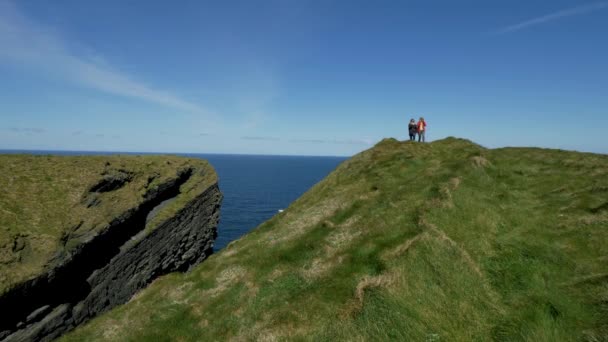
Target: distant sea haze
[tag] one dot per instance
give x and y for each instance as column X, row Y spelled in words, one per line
column 255, row 187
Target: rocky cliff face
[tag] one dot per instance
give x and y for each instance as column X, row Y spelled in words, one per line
column 109, row 265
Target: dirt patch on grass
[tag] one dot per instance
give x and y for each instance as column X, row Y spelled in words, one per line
column 112, row 330
column 115, row 329
column 404, row 247
column 589, row 279
column 454, row 183
column 593, row 219
column 230, row 249
column 297, row 226
column 342, row 237
column 337, row 241
column 176, row 294
column 225, row 279
column 276, row 273
column 480, row 162
column 267, row 329
column 442, row 236
column 321, row 267
column 434, row 166
column 369, row 282
column 446, row 197
column 318, row 267
column 366, row 283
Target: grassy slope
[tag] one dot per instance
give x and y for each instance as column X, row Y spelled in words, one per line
column 440, row 241
column 44, row 200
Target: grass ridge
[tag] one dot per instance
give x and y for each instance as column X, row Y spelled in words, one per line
column 404, row 241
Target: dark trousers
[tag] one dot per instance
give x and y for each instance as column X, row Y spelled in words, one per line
column 412, row 136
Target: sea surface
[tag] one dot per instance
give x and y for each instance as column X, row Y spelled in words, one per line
column 255, row 187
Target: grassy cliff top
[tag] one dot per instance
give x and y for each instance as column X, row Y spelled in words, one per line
column 50, row 204
column 445, row 241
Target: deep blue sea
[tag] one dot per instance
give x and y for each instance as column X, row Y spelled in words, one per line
column 255, row 187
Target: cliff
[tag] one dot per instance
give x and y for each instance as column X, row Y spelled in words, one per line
column 80, row 235
column 405, row 241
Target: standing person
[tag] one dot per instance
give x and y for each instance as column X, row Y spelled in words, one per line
column 413, row 129
column 421, row 129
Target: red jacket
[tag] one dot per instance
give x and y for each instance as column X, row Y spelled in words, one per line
column 421, row 125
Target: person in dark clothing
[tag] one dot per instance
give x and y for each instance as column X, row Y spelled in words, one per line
column 413, row 129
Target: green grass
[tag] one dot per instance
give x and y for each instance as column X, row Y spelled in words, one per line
column 445, row 241
column 44, row 209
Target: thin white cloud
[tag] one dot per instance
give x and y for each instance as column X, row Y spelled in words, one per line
column 555, row 16
column 309, row 141
column 27, row 130
column 334, row 141
column 28, row 43
column 352, row 142
column 260, row 138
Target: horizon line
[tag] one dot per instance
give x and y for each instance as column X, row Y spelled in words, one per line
column 50, row 152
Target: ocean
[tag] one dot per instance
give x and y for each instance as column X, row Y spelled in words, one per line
column 255, row 187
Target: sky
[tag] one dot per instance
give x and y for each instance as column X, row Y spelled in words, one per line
column 300, row 77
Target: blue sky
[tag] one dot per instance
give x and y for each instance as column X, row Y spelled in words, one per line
column 300, row 77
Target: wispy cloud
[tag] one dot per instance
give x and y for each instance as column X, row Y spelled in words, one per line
column 27, row 130
column 81, row 133
column 554, row 16
column 310, row 141
column 260, row 138
column 27, row 42
column 334, row 141
column 352, row 142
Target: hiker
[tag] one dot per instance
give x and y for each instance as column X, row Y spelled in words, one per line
column 421, row 129
column 413, row 129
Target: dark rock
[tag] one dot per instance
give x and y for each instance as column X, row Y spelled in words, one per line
column 112, row 181
column 154, row 192
column 34, row 316
column 19, row 243
column 178, row 244
column 158, row 208
column 151, row 178
column 92, row 201
column 45, row 330
column 113, row 265
column 67, row 234
column 599, row 208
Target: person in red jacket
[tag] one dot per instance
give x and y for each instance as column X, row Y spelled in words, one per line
column 421, row 129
